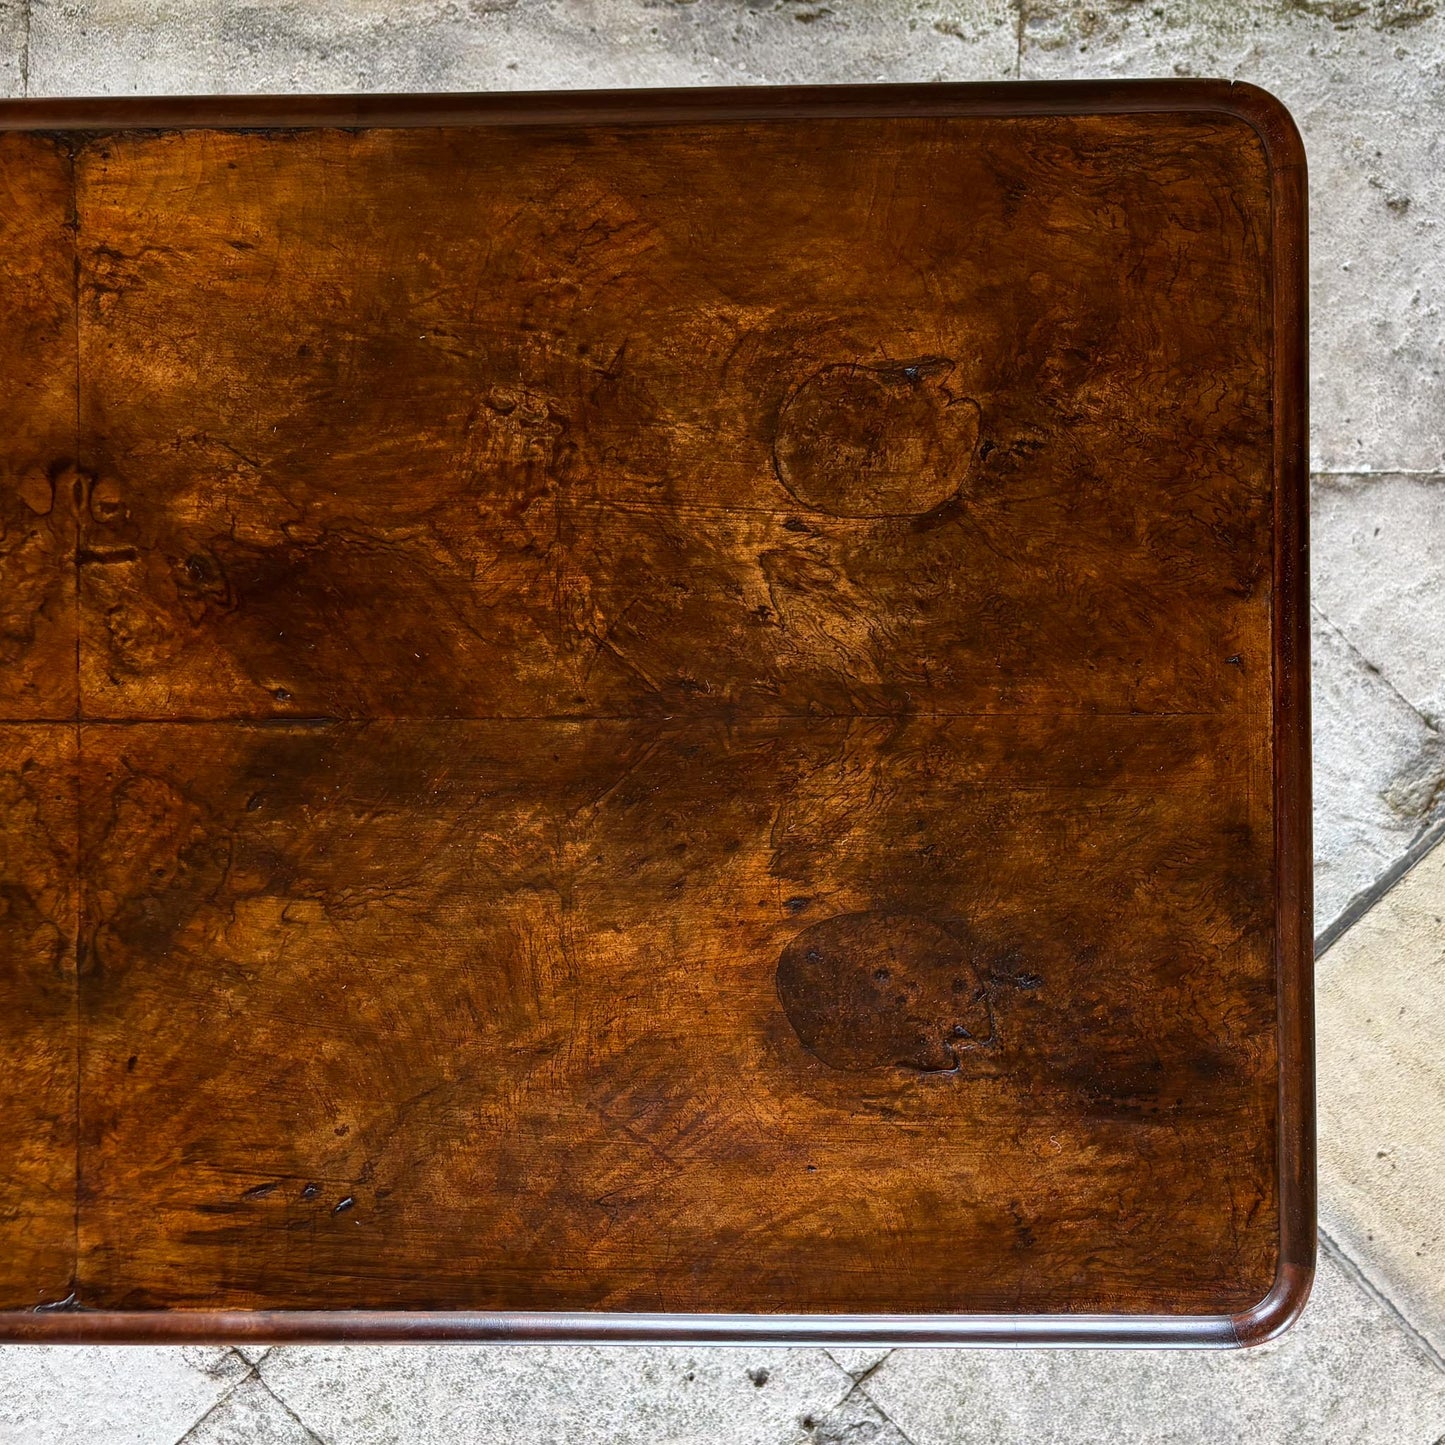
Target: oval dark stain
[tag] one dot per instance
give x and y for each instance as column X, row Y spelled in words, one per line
column 876, row 441
column 868, row 990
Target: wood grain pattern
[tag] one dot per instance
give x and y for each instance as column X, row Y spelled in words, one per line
column 37, row 763
column 641, row 752
column 511, row 989
column 38, row 843
column 37, row 419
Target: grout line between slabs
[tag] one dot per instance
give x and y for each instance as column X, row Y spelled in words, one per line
column 902, row 1433
column 1365, row 900
column 858, row 1380
column 1021, row 7
column 264, row 1384
column 1373, row 668
column 856, row 1388
column 1330, row 1246
column 1425, row 841
column 218, row 1401
column 253, row 1373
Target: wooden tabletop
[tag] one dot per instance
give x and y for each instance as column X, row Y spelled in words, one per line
column 678, row 715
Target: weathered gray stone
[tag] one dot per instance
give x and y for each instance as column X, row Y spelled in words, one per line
column 856, row 1421
column 120, row 47
column 1379, row 575
column 1346, row 1374
column 1378, row 588
column 107, row 1396
column 1381, row 1051
column 524, row 1394
column 1365, row 80
column 250, row 1415
column 1374, row 763
column 14, row 52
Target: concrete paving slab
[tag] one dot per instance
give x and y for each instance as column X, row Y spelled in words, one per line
column 58, row 1395
column 525, row 1394
column 1379, row 575
column 1375, row 762
column 1345, row 1374
column 250, row 1415
column 375, row 45
column 14, row 47
column 1365, row 80
column 1381, row 1051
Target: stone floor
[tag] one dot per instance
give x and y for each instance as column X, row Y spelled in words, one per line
column 1366, row 80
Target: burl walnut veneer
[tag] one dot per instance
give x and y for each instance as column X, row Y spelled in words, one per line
column 658, row 716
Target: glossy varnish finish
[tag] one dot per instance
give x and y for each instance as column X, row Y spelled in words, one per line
column 683, row 707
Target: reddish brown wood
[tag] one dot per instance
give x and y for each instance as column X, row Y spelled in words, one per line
column 37, row 420
column 37, row 761
column 699, row 717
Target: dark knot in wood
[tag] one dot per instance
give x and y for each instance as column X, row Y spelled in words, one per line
column 876, row 441
column 869, row 990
